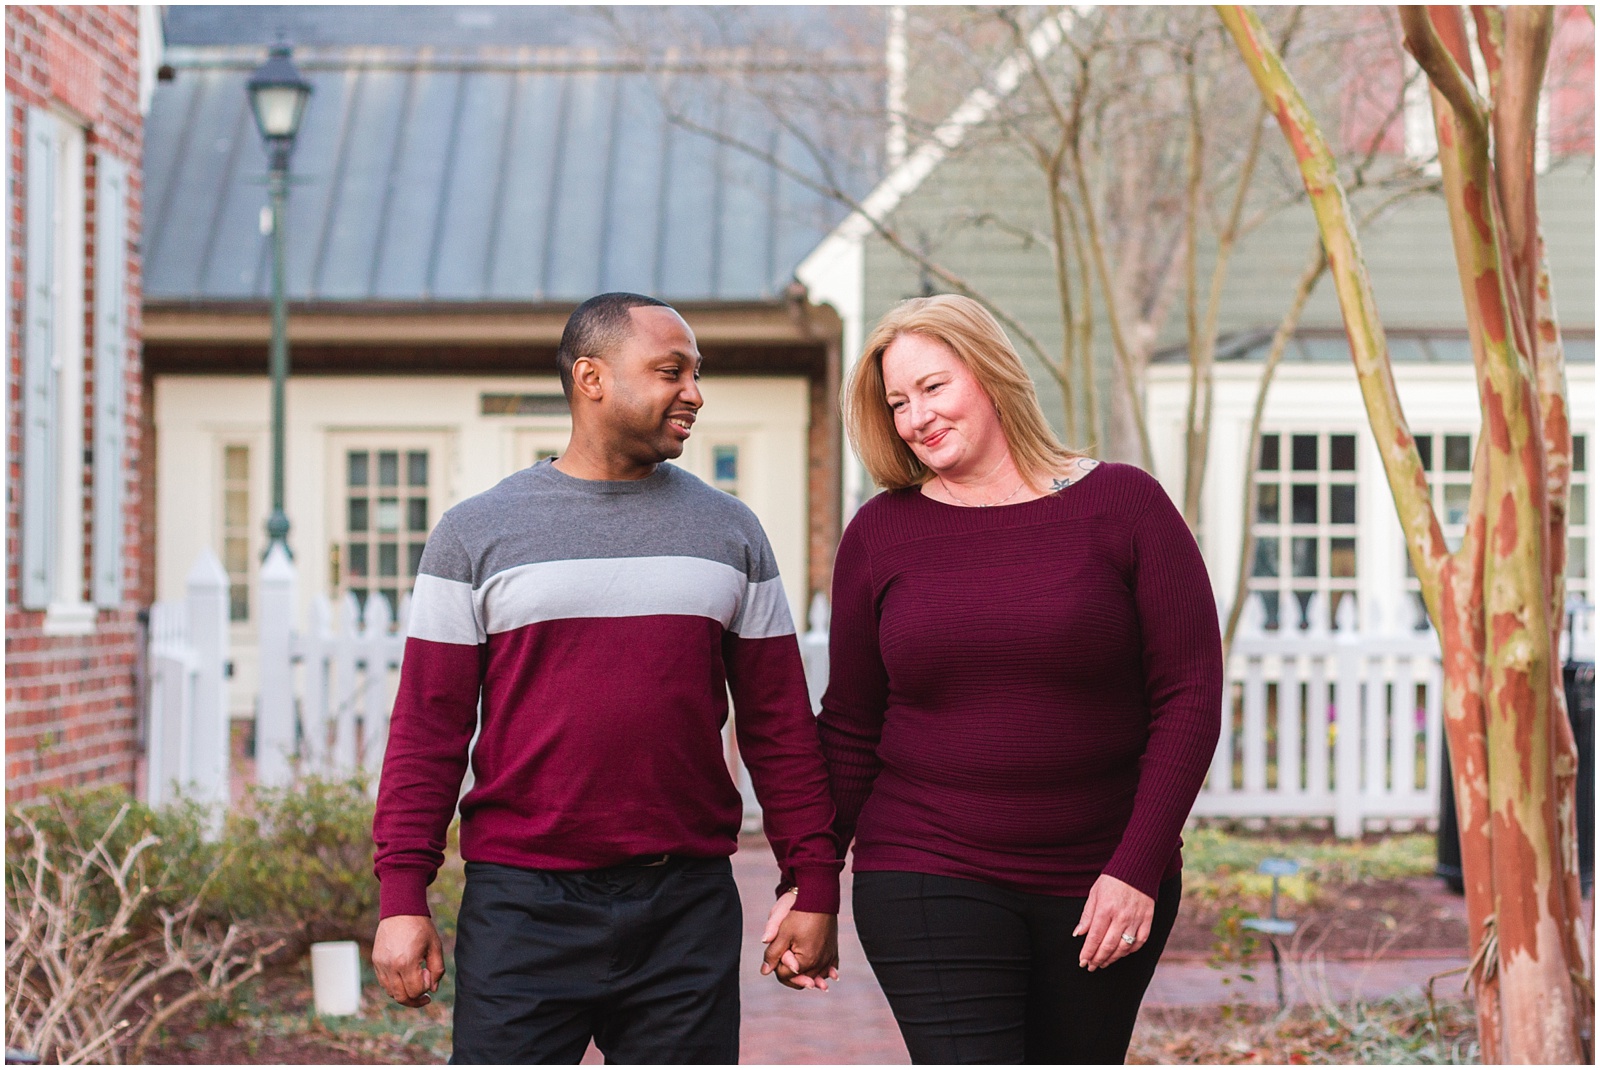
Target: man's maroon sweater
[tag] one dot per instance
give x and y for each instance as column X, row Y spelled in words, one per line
column 1028, row 695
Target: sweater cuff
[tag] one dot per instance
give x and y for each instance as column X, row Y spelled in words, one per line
column 1144, row 874
column 819, row 889
column 404, row 891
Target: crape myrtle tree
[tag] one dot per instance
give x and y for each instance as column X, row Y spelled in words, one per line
column 1497, row 600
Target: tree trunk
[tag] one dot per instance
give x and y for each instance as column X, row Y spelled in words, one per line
column 1491, row 600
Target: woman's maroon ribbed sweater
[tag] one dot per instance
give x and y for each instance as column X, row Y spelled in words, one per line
column 1028, row 695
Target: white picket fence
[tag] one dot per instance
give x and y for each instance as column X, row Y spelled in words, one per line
column 326, row 689
column 186, row 742
column 1318, row 724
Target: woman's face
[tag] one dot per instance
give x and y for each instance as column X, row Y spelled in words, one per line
column 939, row 409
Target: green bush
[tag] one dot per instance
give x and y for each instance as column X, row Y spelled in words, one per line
column 294, row 862
column 298, row 860
column 173, row 869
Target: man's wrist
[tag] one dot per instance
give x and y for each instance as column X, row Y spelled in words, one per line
column 404, row 891
column 816, row 890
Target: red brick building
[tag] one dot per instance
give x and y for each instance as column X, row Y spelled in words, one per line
column 76, row 571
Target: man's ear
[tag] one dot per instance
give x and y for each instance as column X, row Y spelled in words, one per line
column 588, row 378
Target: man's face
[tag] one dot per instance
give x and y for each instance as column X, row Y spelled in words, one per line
column 655, row 392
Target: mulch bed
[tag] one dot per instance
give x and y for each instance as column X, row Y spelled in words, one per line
column 1415, row 916
column 1385, row 1034
column 274, row 1024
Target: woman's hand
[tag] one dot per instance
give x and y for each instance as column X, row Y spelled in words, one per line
column 781, row 957
column 1112, row 909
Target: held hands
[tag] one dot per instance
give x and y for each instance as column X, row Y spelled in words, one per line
column 802, row 947
column 1112, row 909
column 408, row 958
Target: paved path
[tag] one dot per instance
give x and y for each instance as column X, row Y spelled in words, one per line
column 1192, row 984
column 851, row 1022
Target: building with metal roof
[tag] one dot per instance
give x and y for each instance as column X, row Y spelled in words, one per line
column 463, row 177
column 451, row 169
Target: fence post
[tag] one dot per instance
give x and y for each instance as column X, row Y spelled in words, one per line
column 275, row 719
column 1348, row 657
column 207, row 610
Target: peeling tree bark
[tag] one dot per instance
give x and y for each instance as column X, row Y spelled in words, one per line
column 1494, row 601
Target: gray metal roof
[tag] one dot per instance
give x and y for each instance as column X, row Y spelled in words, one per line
column 529, row 173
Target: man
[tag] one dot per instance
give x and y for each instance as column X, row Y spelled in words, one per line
column 601, row 606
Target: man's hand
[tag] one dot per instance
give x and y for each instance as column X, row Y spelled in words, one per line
column 802, row 947
column 1113, row 908
column 408, row 958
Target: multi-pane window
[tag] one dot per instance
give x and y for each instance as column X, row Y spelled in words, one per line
column 236, row 529
column 388, row 513
column 1578, row 522
column 1305, row 525
column 1447, row 459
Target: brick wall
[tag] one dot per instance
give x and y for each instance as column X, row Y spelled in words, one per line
column 1369, row 100
column 71, row 701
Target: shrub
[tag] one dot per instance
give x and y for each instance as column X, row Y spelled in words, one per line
column 117, row 913
column 299, row 861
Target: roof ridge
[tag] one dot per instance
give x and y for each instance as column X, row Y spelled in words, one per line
column 523, row 57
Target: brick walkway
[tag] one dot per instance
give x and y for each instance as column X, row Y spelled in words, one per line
column 851, row 1022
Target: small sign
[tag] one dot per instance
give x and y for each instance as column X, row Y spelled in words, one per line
column 523, row 404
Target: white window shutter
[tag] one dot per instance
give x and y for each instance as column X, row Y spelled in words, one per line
column 110, row 343
column 39, row 468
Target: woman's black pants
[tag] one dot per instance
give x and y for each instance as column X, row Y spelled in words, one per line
column 981, row 974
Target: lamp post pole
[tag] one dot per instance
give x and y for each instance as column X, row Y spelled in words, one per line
column 278, row 186
column 278, row 96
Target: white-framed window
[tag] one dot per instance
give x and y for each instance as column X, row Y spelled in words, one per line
column 1305, row 527
column 1421, row 135
column 53, row 566
column 1579, row 581
column 238, row 522
column 725, row 467
column 389, row 501
column 1447, row 460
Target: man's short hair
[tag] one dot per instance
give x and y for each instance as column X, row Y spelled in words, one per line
column 596, row 328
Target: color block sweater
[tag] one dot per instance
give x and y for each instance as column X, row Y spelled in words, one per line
column 1028, row 695
column 603, row 624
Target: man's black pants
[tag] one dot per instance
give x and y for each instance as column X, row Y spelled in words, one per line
column 644, row 959
column 980, row 974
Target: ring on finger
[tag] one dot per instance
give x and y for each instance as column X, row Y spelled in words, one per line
column 1128, row 938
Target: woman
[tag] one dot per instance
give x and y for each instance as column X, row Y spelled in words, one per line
column 1024, row 697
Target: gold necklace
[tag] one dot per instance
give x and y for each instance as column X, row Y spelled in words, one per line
column 980, row 505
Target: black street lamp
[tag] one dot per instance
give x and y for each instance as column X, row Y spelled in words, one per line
column 278, row 95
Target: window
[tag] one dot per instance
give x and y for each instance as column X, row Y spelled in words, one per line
column 1305, row 525
column 1578, row 580
column 236, row 529
column 725, row 468
column 1421, row 135
column 388, row 510
column 1447, row 460
column 53, row 377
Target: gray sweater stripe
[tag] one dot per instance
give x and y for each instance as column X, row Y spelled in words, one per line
column 542, row 546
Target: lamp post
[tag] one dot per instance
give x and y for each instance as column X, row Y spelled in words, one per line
column 278, row 95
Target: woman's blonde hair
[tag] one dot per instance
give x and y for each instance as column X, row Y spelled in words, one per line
column 979, row 343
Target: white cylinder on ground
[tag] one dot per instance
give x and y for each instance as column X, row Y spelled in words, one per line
column 336, row 977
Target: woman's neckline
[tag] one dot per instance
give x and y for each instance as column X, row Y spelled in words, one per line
column 1047, row 496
